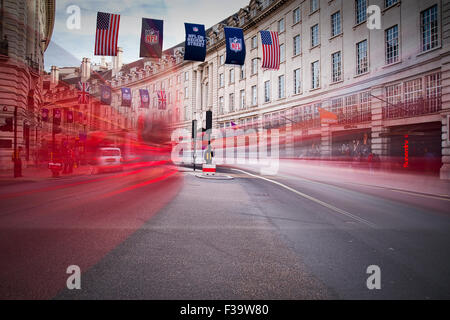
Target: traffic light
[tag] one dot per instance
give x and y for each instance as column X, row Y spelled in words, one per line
column 208, row 120
column 8, row 126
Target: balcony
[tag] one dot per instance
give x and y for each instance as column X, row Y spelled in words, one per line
column 354, row 117
column 412, row 109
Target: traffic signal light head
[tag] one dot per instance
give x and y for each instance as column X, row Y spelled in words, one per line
column 208, row 120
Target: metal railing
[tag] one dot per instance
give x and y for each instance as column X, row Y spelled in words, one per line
column 412, row 109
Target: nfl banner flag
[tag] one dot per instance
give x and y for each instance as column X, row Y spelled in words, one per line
column 195, row 43
column 69, row 116
column 271, row 50
column 162, row 101
column 234, row 38
column 106, row 34
column 44, row 115
column 151, row 38
column 145, row 99
column 105, row 94
column 126, row 97
column 57, row 116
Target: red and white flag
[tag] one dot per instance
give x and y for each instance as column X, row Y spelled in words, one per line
column 83, row 93
column 107, row 34
column 271, row 50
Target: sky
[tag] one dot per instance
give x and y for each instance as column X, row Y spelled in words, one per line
column 68, row 47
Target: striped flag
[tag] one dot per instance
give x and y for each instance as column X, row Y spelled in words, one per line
column 107, row 34
column 271, row 50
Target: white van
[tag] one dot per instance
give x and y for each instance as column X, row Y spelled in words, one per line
column 108, row 159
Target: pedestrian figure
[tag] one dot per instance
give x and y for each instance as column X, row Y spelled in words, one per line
column 17, row 160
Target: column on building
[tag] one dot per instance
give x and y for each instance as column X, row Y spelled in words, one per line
column 379, row 139
column 445, row 76
column 325, row 135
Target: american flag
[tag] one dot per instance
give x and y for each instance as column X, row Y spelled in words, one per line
column 83, row 93
column 271, row 50
column 162, row 101
column 107, row 34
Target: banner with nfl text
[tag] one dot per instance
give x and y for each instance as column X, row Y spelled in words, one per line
column 195, row 42
column 126, row 97
column 145, row 99
column 151, row 38
column 235, row 46
column 105, row 97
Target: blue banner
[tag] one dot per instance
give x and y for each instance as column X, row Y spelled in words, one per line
column 145, row 99
column 105, row 94
column 195, row 42
column 234, row 39
column 126, row 97
column 151, row 38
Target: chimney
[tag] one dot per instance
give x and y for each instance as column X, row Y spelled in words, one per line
column 85, row 69
column 103, row 62
column 54, row 75
column 117, row 61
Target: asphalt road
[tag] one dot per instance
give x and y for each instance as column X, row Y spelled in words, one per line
column 150, row 233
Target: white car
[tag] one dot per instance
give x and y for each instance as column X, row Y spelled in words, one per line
column 108, row 159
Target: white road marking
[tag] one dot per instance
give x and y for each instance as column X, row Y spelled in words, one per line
column 329, row 206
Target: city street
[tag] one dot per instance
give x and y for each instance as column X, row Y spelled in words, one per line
column 151, row 232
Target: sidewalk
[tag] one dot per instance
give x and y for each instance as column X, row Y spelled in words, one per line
column 33, row 174
column 425, row 184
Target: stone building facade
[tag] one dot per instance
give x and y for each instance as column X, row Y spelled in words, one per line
column 25, row 31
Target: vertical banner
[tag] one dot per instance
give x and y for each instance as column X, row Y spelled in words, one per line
column 271, row 50
column 57, row 116
column 106, row 34
column 105, row 94
column 145, row 99
column 69, row 116
column 44, row 116
column 126, row 97
column 235, row 44
column 195, row 43
column 151, row 38
column 162, row 100
column 83, row 92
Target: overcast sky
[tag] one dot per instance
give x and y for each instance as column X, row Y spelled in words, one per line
column 68, row 47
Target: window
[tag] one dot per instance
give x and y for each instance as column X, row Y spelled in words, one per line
column 391, row 38
column 429, row 28
column 314, row 35
column 336, row 24
column 433, row 92
column 254, row 96
column 296, row 15
column 314, row 5
column 281, row 87
column 186, row 92
column 254, row 42
column 361, row 57
column 254, row 66
column 222, row 60
column 231, row 102
column 221, row 81
column 221, row 105
column 242, row 72
column 412, row 91
column 231, row 76
column 315, row 75
column 394, row 94
column 267, row 91
column 297, row 83
column 281, row 26
column 336, row 65
column 388, row 3
column 178, row 79
column 360, row 11
column 296, row 45
column 282, row 53
column 242, row 99
column 186, row 76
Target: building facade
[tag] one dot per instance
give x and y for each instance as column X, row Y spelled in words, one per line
column 25, row 31
column 385, row 84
